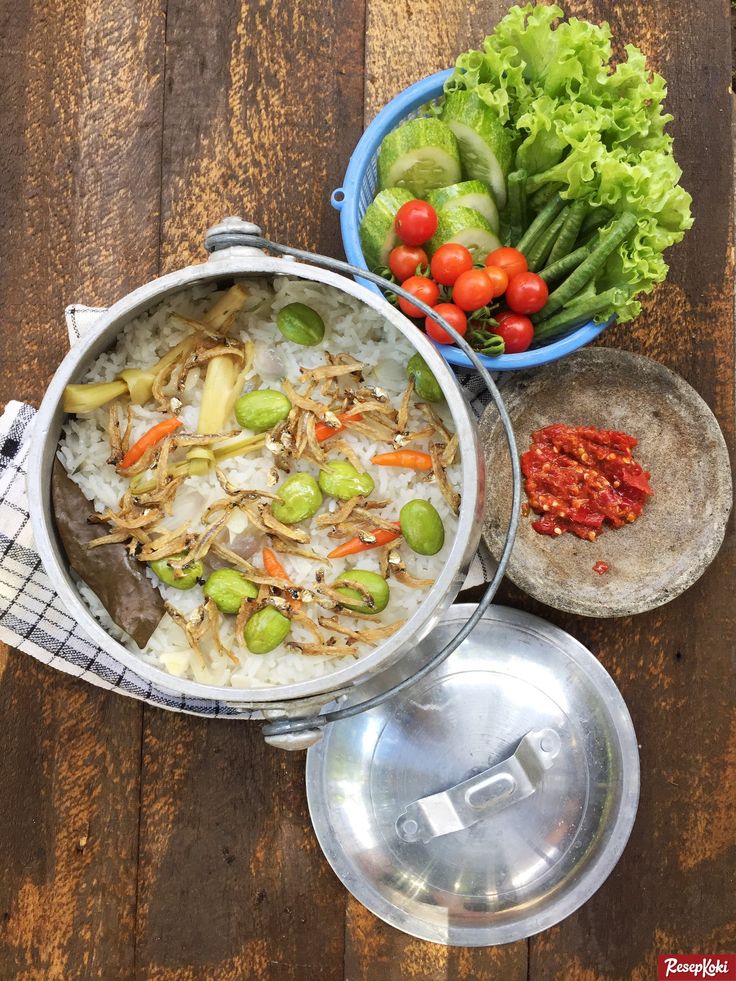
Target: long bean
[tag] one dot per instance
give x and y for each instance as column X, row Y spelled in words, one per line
column 545, row 217
column 578, row 313
column 537, row 254
column 555, row 270
column 569, row 231
column 517, row 207
column 544, row 195
column 595, row 218
column 590, row 266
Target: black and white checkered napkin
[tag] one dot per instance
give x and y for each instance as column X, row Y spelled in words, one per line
column 32, row 616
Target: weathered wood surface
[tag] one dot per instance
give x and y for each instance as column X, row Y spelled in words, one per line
column 80, row 136
column 142, row 844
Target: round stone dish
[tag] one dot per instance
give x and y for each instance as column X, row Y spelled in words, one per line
column 682, row 527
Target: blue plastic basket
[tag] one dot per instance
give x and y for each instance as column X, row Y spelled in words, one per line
column 359, row 189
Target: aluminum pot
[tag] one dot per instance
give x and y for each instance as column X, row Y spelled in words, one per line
column 394, row 660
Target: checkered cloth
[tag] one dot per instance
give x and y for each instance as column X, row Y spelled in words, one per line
column 32, row 616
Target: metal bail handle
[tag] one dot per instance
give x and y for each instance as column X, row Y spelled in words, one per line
column 466, row 803
column 236, row 232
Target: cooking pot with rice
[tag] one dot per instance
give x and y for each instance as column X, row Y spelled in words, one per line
column 257, row 483
column 140, row 506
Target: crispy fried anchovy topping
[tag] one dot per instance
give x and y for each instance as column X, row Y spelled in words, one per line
column 213, row 616
column 451, row 496
column 332, row 370
column 284, row 531
column 369, row 636
column 433, row 419
column 338, row 650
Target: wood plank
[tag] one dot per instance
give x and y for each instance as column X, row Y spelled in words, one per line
column 80, row 131
column 404, row 43
column 260, row 119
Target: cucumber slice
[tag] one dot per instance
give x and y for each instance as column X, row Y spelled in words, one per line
column 377, row 233
column 485, row 146
column 467, row 227
column 467, row 194
column 420, row 154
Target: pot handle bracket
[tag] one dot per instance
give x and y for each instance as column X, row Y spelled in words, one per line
column 234, row 232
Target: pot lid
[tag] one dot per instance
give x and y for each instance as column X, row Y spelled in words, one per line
column 489, row 801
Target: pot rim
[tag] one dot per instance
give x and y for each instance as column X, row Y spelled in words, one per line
column 236, row 262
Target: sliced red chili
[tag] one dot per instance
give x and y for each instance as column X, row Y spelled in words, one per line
column 579, row 478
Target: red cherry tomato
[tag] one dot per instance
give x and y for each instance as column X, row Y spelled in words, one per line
column 498, row 278
column 472, row 290
column 526, row 293
column 517, row 331
column 449, row 261
column 422, row 288
column 509, row 259
column 416, row 221
column 404, row 260
column 454, row 317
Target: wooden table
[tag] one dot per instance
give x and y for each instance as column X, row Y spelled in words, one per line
column 137, row 843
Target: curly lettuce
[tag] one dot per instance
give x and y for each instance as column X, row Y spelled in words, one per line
column 588, row 127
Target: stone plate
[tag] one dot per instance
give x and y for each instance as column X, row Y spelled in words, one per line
column 682, row 527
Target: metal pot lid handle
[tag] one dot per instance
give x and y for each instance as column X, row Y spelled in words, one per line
column 234, row 232
column 492, row 790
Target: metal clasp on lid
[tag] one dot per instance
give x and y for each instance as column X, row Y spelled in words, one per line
column 466, row 803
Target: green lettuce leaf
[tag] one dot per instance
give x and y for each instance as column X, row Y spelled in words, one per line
column 592, row 127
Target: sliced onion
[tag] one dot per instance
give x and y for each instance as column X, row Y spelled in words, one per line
column 268, row 362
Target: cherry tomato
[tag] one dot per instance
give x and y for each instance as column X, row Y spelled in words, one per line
column 472, row 290
column 509, row 259
column 455, row 318
column 404, row 260
column 517, row 331
column 422, row 288
column 526, row 293
column 416, row 221
column 499, row 279
column 449, row 261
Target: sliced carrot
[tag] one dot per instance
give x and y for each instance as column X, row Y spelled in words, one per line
column 411, row 459
column 322, row 431
column 273, row 566
column 275, row 570
column 154, row 435
column 382, row 535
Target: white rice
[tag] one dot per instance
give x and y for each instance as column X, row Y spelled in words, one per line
column 351, row 328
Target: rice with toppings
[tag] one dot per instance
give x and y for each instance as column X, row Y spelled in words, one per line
column 351, row 329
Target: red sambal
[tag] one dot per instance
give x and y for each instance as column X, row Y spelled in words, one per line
column 578, row 478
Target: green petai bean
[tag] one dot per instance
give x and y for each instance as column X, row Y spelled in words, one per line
column 421, row 526
column 265, row 630
column 261, row 410
column 340, row 479
column 227, row 588
column 375, row 585
column 425, row 384
column 300, row 324
column 180, row 578
column 299, row 498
